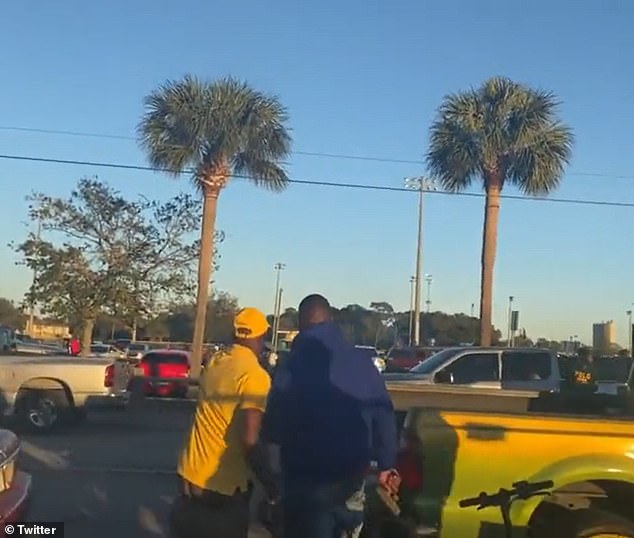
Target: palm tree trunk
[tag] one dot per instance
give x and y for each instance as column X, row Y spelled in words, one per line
column 489, row 245
column 210, row 204
column 86, row 336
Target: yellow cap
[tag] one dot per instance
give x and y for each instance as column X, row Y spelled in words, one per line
column 250, row 323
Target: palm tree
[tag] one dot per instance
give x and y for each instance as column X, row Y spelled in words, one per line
column 214, row 131
column 500, row 133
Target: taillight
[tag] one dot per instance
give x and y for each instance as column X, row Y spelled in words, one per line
column 409, row 463
column 108, row 379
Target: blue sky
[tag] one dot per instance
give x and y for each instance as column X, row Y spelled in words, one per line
column 359, row 77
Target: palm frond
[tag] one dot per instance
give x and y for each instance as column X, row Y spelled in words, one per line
column 537, row 169
column 171, row 129
column 501, row 129
column 453, row 156
column 224, row 124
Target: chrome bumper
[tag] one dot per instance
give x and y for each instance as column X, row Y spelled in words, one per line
column 120, row 398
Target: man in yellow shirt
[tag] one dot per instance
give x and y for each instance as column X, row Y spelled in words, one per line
column 222, row 455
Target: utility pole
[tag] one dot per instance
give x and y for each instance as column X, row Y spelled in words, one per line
column 411, row 310
column 277, row 317
column 472, row 309
column 422, row 185
column 279, row 267
column 32, row 305
column 428, row 279
column 629, row 332
column 510, row 315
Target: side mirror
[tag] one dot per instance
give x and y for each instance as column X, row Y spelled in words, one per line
column 443, row 376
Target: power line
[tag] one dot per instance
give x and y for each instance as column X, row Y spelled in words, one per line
column 124, row 137
column 316, row 183
column 297, row 152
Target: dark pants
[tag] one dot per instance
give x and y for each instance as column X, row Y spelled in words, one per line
column 211, row 515
column 326, row 511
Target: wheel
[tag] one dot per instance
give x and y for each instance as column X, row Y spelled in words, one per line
column 600, row 524
column 41, row 411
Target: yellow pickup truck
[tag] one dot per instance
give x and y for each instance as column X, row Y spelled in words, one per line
column 500, row 463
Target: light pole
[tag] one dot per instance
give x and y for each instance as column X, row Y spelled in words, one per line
column 412, row 280
column 428, row 280
column 510, row 315
column 629, row 332
column 279, row 267
column 278, row 316
column 422, row 185
column 573, row 343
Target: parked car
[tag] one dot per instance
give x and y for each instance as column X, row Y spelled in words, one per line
column 493, row 368
column 26, row 344
column 136, row 350
column 44, row 392
column 172, row 366
column 6, row 338
column 15, row 485
column 403, row 359
column 106, row 351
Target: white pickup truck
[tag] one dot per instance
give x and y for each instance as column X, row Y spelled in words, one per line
column 488, row 368
column 527, row 369
column 43, row 392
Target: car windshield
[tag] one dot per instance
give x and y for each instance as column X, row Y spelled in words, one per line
column 431, row 364
column 99, row 349
column 136, row 347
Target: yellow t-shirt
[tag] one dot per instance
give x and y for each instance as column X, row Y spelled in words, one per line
column 212, row 457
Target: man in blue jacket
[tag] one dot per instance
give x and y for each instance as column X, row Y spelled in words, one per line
column 330, row 414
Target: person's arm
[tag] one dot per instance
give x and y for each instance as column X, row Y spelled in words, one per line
column 383, row 428
column 254, row 390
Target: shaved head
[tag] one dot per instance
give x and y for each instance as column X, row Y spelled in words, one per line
column 314, row 309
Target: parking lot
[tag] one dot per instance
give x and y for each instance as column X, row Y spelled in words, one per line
column 111, row 476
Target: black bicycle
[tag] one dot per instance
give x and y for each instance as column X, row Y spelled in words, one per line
column 505, row 498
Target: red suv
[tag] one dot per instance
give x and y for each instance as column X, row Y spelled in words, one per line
column 172, row 364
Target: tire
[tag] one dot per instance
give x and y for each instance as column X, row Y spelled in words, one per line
column 42, row 411
column 600, row 524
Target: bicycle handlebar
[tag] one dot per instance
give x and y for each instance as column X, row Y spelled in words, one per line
column 520, row 490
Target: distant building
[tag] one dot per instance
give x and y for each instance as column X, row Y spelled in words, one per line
column 569, row 347
column 44, row 329
column 603, row 336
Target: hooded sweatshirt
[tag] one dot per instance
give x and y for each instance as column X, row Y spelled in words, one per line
column 329, row 410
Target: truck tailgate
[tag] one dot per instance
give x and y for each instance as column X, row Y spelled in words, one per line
column 123, row 372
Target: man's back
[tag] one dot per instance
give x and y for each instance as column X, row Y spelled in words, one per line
column 323, row 408
column 213, row 458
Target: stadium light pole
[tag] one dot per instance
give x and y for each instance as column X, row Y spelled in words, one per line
column 428, row 280
column 510, row 315
column 629, row 332
column 410, row 335
column 422, row 185
column 279, row 267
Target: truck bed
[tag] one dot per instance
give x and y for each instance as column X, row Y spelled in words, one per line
column 454, row 398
